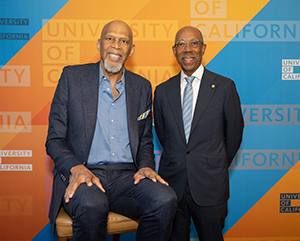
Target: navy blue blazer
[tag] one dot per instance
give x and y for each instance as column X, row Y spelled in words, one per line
column 215, row 137
column 72, row 122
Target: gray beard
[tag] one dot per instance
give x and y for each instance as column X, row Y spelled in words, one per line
column 112, row 69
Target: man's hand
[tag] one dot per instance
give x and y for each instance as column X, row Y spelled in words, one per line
column 80, row 174
column 147, row 172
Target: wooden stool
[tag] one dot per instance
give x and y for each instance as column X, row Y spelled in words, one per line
column 116, row 224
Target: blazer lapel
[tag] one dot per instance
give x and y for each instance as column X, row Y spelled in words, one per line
column 174, row 96
column 206, row 91
column 90, row 92
column 132, row 104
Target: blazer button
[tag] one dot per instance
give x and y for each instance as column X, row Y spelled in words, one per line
column 188, row 152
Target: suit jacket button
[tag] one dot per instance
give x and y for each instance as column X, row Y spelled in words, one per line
column 188, row 152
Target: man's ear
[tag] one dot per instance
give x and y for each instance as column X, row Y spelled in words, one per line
column 132, row 50
column 98, row 44
column 203, row 49
column 174, row 51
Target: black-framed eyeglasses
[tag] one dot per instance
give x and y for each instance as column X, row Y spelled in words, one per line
column 194, row 43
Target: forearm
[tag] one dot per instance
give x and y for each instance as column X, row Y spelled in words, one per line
column 234, row 123
column 145, row 154
column 62, row 156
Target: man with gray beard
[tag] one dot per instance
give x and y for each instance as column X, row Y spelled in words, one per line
column 100, row 140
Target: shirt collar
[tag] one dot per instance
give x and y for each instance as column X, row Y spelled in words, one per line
column 197, row 74
column 101, row 75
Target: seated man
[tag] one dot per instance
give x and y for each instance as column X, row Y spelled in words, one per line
column 100, row 139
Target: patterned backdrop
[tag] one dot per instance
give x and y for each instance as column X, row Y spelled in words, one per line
column 254, row 42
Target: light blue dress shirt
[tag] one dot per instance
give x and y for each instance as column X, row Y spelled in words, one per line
column 111, row 140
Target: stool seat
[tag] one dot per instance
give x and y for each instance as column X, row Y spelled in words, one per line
column 116, row 224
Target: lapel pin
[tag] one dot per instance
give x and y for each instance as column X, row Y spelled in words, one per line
column 213, row 86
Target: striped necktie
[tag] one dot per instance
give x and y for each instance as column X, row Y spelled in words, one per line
column 187, row 107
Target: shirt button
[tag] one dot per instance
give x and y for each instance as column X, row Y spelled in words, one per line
column 107, row 89
column 113, row 154
column 112, row 120
column 112, row 104
column 112, row 138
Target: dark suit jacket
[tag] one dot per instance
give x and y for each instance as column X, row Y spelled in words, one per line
column 72, row 122
column 215, row 137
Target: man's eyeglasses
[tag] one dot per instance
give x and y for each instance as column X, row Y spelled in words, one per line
column 194, row 43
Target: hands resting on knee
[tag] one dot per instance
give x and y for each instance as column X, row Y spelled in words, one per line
column 80, row 174
column 147, row 172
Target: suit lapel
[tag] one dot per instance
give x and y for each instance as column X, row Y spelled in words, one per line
column 132, row 106
column 90, row 92
column 174, row 96
column 206, row 91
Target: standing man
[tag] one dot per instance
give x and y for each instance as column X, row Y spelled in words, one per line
column 100, row 140
column 199, row 123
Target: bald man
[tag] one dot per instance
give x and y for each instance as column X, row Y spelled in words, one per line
column 100, row 140
column 199, row 140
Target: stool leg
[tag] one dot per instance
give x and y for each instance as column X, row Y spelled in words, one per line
column 62, row 239
column 116, row 237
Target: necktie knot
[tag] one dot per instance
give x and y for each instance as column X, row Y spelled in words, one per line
column 190, row 79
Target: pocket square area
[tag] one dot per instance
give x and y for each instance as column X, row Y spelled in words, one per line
column 144, row 115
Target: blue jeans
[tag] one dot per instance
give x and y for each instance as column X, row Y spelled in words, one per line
column 152, row 202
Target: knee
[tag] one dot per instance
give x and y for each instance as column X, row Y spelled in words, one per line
column 167, row 199
column 170, row 198
column 99, row 205
column 90, row 201
column 164, row 207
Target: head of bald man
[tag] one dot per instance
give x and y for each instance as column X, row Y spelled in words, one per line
column 189, row 49
column 115, row 45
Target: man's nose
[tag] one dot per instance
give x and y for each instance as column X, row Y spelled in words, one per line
column 116, row 44
column 187, row 47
